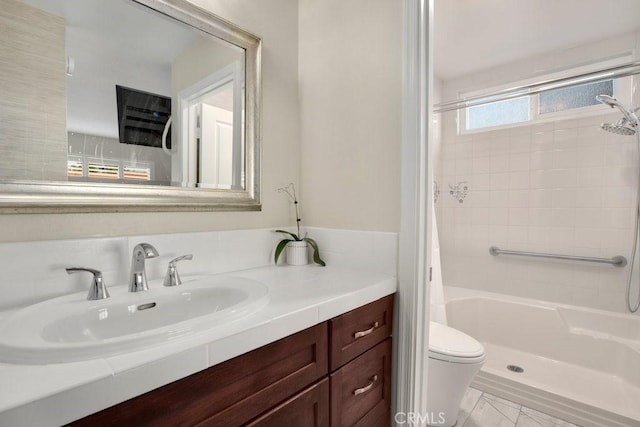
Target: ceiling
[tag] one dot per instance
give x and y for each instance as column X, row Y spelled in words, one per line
column 471, row 35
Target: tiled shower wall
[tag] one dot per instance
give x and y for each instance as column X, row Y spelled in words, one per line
column 564, row 187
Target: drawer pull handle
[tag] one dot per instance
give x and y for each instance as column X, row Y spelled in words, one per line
column 360, row 334
column 367, row 387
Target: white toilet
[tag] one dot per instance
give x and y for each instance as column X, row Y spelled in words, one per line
column 454, row 359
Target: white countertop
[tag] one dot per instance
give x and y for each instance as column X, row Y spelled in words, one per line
column 299, row 297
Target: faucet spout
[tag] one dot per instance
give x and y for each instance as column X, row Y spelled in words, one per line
column 138, row 276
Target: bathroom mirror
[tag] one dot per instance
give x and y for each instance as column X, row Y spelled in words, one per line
column 127, row 105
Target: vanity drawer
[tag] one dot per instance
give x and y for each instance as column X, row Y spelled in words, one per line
column 310, row 408
column 356, row 331
column 231, row 393
column 361, row 389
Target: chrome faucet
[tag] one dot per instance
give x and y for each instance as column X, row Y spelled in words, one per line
column 138, row 277
column 98, row 289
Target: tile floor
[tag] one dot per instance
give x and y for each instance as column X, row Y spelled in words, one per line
column 480, row 409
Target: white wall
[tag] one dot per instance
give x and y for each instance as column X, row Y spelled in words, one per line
column 200, row 60
column 350, row 78
column 560, row 187
column 276, row 21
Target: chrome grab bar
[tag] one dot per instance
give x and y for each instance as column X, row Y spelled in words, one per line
column 617, row 261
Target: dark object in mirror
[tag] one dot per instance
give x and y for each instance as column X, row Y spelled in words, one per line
column 143, row 117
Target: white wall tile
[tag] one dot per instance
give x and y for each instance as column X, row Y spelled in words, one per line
column 540, row 217
column 519, row 216
column 520, row 142
column 564, row 177
column 498, row 234
column 589, row 157
column 499, row 163
column 541, row 160
column 588, row 238
column 541, row 141
column 565, row 138
column 499, row 216
column 564, row 158
column 563, row 187
column 518, row 235
column 617, row 197
column 481, row 165
column 518, row 198
column 563, row 197
column 480, row 216
column 589, row 218
column 590, row 176
column 617, row 218
column 481, row 181
column 499, row 181
column 563, row 217
column 519, row 180
column 519, row 162
column 463, row 148
column 34, row 271
column 589, row 197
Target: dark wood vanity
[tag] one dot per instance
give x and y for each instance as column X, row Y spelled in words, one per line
column 337, row 373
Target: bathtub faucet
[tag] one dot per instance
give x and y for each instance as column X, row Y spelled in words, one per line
column 138, row 277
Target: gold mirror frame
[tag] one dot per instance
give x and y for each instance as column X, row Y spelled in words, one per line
column 43, row 197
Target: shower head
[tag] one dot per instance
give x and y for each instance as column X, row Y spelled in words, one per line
column 629, row 115
column 621, row 127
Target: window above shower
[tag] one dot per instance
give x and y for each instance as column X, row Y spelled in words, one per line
column 557, row 102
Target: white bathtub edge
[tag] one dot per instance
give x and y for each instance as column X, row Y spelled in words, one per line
column 549, row 403
column 599, row 325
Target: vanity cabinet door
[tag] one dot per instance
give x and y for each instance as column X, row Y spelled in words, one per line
column 231, row 393
column 361, row 390
column 310, row 408
column 356, row 331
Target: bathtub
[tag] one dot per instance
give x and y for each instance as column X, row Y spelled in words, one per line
column 578, row 364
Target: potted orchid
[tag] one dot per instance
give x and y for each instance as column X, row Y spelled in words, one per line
column 296, row 245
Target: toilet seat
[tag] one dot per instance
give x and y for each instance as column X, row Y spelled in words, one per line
column 450, row 345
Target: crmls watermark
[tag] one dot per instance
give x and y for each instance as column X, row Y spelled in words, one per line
column 415, row 418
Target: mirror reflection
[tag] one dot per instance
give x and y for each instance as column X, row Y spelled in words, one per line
column 113, row 92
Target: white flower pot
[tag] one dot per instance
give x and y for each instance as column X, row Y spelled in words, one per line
column 297, row 253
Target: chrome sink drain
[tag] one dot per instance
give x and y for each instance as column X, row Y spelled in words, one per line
column 515, row 368
column 146, row 306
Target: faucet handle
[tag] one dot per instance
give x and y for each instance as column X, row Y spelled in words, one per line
column 172, row 277
column 98, row 289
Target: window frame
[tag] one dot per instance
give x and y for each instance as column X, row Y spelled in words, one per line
column 622, row 90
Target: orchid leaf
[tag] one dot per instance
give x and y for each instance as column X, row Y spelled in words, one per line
column 316, row 251
column 281, row 245
column 293, row 235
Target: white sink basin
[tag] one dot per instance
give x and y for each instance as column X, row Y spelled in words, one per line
column 70, row 328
